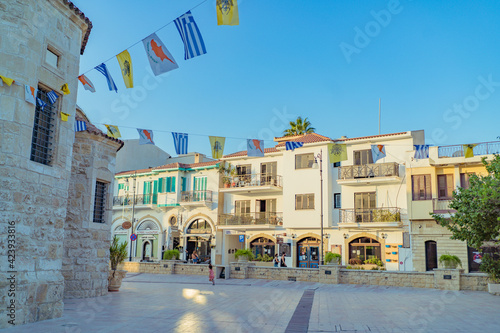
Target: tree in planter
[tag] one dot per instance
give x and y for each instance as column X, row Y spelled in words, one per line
column 477, row 220
column 450, row 261
column 332, row 257
column 244, row 254
column 117, row 254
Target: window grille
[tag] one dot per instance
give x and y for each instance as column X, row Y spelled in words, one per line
column 99, row 202
column 43, row 130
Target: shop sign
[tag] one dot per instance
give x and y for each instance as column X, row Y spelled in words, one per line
column 199, row 231
column 234, row 232
column 148, row 232
column 126, row 225
column 147, row 237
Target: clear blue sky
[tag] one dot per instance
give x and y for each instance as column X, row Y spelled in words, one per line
column 430, row 63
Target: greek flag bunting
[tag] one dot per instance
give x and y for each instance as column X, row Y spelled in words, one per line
column 180, row 143
column 291, row 145
column 80, row 125
column 41, row 103
column 104, row 71
column 191, row 36
column 52, row 96
column 421, row 151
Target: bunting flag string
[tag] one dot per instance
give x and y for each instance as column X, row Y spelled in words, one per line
column 145, row 137
column 291, row 145
column 180, row 143
column 41, row 103
column 160, row 59
column 227, row 12
column 190, row 35
column 5, row 79
column 217, row 146
column 113, row 131
column 80, row 125
column 469, row 150
column 87, row 84
column 125, row 62
column 64, row 116
column 29, row 94
column 52, row 96
column 104, row 71
column 421, row 151
column 337, row 152
column 65, row 89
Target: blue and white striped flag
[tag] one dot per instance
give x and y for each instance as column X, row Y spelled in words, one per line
column 180, row 143
column 104, row 71
column 80, row 125
column 52, row 96
column 41, row 103
column 421, row 151
column 291, row 145
column 191, row 36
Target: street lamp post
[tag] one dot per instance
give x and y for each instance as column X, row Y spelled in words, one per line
column 315, row 165
column 133, row 212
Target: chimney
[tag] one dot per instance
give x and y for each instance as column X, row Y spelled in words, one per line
column 197, row 158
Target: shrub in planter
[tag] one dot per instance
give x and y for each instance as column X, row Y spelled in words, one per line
column 450, row 261
column 117, row 254
column 333, row 258
column 244, row 254
column 355, row 261
column 171, row 254
column 374, row 261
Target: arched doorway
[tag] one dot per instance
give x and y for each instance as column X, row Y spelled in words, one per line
column 146, row 250
column 364, row 248
column 261, row 246
column 148, row 232
column 308, row 252
column 430, row 255
column 199, row 237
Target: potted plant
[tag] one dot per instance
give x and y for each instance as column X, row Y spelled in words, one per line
column 171, row 254
column 450, row 261
column 332, row 258
column 227, row 172
column 117, row 253
column 243, row 255
column 492, row 267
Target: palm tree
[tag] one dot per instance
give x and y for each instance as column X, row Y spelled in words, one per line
column 299, row 127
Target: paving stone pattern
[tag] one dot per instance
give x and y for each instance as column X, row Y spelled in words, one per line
column 189, row 303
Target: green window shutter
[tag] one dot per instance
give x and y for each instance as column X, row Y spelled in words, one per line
column 155, row 192
column 169, row 183
column 146, row 192
column 160, row 185
column 121, row 186
column 183, row 184
column 172, row 188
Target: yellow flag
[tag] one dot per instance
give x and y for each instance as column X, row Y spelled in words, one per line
column 65, row 89
column 217, row 146
column 469, row 150
column 126, row 65
column 64, row 116
column 337, row 152
column 7, row 80
column 227, row 12
column 113, row 131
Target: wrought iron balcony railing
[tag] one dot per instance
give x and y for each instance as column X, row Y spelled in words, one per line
column 196, row 196
column 140, row 199
column 262, row 218
column 369, row 170
column 441, row 206
column 253, row 180
column 483, row 148
column 367, row 215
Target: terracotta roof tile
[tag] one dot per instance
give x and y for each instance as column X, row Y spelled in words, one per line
column 186, row 165
column 133, row 172
column 306, row 138
column 370, row 137
column 244, row 152
column 78, row 12
column 94, row 130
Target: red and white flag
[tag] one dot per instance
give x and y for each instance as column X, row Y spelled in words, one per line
column 160, row 59
column 30, row 94
column 87, row 84
column 145, row 137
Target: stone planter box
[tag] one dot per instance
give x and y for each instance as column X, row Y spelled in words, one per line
column 494, row 288
column 115, row 279
column 264, row 263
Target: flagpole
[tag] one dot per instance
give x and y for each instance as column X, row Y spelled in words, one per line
column 379, row 102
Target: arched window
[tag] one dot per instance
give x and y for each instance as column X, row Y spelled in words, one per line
column 148, row 225
column 199, row 226
column 261, row 246
column 364, row 248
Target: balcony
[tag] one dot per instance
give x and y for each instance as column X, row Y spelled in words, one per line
column 262, row 219
column 375, row 173
column 196, row 198
column 255, row 183
column 483, row 148
column 442, row 206
column 127, row 200
column 370, row 217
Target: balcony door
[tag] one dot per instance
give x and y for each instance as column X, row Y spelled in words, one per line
column 264, row 208
column 431, row 261
column 268, row 173
column 363, row 206
column 199, row 188
column 362, row 157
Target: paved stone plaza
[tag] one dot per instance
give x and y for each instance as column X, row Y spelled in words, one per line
column 185, row 303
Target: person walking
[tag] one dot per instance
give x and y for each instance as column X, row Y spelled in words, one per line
column 282, row 262
column 276, row 260
column 211, row 275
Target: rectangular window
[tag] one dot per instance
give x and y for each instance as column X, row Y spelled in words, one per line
column 304, row 161
column 304, row 201
column 51, row 58
column 147, row 191
column 421, row 187
column 43, row 130
column 166, row 185
column 121, row 186
column 362, row 157
column 337, row 203
column 445, row 186
column 99, row 202
column 336, row 165
column 464, row 180
column 242, row 207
